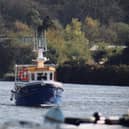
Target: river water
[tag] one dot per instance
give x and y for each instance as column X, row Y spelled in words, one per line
column 78, row 101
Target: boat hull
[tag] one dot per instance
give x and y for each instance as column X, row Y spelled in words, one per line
column 38, row 94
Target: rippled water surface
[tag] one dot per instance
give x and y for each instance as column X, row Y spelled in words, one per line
column 78, row 101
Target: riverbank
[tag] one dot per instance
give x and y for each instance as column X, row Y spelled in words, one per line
column 87, row 74
column 102, row 75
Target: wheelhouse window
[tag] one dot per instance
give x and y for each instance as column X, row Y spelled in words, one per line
column 51, row 76
column 32, row 76
column 41, row 76
column 45, row 76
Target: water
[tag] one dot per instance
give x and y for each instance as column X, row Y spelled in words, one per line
column 84, row 100
column 78, row 101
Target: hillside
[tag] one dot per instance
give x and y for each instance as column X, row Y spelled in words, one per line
column 77, row 26
column 64, row 11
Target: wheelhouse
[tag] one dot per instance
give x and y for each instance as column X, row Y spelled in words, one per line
column 28, row 73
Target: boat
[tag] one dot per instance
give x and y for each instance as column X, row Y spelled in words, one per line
column 35, row 84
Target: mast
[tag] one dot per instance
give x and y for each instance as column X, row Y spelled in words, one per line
column 41, row 48
column 40, row 45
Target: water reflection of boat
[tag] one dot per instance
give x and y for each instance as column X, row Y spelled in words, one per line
column 35, row 84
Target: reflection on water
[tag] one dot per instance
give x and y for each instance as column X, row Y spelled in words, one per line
column 78, row 101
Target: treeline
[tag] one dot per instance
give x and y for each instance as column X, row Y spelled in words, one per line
column 77, row 27
column 103, row 10
column 11, row 54
column 90, row 74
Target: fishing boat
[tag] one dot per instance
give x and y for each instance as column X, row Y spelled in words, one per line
column 35, row 84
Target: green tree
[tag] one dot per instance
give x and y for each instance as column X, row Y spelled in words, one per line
column 56, row 46
column 76, row 43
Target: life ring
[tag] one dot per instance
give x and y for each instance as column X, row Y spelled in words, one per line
column 23, row 76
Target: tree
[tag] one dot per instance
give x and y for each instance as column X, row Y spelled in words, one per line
column 56, row 46
column 76, row 43
column 91, row 27
column 33, row 18
column 122, row 31
column 69, row 44
column 12, row 53
column 107, row 35
column 6, row 57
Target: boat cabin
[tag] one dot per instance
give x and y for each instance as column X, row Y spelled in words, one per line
column 28, row 73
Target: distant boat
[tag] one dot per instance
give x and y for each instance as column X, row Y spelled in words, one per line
column 35, row 84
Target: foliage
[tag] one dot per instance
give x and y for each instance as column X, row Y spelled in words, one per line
column 19, row 26
column 56, row 45
column 6, row 57
column 77, row 25
column 33, row 18
column 14, row 9
column 94, row 74
column 120, row 58
column 69, row 44
column 102, row 10
column 116, row 33
column 122, row 31
column 107, row 34
column 106, row 52
column 23, row 54
column 11, row 54
column 76, row 43
column 91, row 28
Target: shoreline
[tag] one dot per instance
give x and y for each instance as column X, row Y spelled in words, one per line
column 90, row 75
column 81, row 83
column 102, row 75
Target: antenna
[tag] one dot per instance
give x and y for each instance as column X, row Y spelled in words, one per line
column 40, row 44
column 40, row 34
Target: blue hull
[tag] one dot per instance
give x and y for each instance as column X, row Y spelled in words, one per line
column 36, row 95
